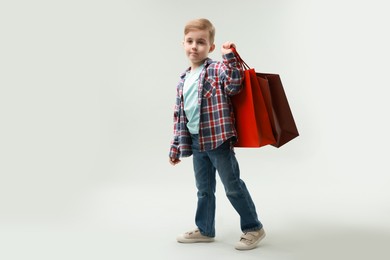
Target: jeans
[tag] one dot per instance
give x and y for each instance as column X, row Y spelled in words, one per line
column 223, row 160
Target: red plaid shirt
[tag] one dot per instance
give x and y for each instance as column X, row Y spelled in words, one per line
column 217, row 82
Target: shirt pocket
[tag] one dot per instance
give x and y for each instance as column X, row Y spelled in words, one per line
column 209, row 87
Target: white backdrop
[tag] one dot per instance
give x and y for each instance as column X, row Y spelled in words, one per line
column 87, row 92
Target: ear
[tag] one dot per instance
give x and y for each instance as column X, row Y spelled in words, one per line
column 212, row 47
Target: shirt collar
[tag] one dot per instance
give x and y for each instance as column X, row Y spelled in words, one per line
column 205, row 63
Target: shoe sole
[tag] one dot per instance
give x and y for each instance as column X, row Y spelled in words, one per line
column 194, row 240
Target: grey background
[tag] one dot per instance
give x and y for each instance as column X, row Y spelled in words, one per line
column 86, row 97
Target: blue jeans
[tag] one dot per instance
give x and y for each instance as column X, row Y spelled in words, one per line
column 223, row 160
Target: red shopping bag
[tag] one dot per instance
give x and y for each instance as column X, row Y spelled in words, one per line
column 253, row 124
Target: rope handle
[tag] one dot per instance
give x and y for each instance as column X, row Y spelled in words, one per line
column 240, row 60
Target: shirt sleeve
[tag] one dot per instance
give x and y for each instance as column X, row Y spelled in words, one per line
column 231, row 74
column 174, row 151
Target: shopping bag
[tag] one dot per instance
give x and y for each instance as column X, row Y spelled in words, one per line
column 274, row 99
column 252, row 121
column 281, row 118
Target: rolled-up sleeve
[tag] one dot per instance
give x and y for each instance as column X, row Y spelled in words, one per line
column 232, row 74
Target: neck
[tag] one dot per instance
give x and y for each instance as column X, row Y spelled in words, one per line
column 196, row 65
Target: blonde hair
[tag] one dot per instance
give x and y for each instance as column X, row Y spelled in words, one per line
column 201, row 24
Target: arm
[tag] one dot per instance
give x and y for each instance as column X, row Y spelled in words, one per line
column 232, row 75
column 174, row 152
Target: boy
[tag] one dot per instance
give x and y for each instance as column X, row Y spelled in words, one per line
column 204, row 128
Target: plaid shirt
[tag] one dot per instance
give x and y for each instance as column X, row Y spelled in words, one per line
column 217, row 81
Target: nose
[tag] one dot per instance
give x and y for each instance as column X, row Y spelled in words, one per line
column 193, row 46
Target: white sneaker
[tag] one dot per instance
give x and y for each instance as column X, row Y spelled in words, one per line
column 249, row 240
column 194, row 237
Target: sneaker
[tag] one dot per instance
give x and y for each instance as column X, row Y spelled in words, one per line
column 249, row 240
column 194, row 237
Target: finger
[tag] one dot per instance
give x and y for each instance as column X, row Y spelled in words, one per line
column 174, row 161
column 230, row 45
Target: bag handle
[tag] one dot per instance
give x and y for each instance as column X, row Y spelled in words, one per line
column 240, row 60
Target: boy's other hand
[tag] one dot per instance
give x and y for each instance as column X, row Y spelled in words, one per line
column 174, row 161
column 226, row 47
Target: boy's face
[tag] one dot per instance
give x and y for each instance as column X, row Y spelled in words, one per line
column 197, row 46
